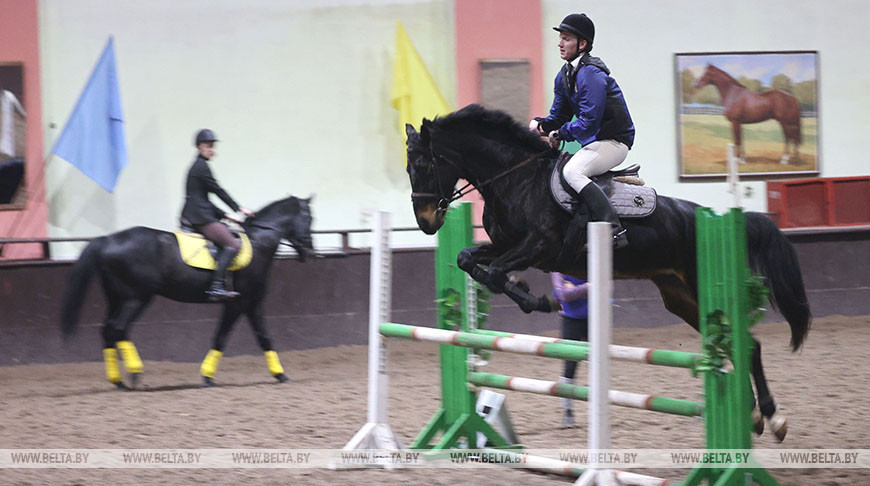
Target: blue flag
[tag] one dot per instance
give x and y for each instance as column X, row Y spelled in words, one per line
column 93, row 138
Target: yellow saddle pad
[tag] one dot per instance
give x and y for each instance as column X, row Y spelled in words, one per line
column 194, row 252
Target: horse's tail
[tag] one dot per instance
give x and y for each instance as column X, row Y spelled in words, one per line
column 773, row 256
column 77, row 286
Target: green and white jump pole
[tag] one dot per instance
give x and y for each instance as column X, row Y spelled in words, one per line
column 724, row 283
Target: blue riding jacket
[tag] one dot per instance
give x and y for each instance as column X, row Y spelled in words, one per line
column 595, row 99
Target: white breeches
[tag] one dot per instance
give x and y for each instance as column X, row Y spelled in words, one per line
column 592, row 160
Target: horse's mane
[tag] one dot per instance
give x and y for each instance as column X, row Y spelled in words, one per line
column 497, row 124
column 720, row 71
column 278, row 208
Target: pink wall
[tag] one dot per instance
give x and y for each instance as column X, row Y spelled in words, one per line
column 19, row 43
column 496, row 29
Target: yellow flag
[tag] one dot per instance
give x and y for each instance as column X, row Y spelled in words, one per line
column 415, row 93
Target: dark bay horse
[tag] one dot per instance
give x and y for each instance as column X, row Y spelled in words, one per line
column 136, row 264
column 745, row 106
column 526, row 228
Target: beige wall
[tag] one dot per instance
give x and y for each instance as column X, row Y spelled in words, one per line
column 298, row 92
column 638, row 39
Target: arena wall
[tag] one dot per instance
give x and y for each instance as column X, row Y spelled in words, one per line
column 324, row 302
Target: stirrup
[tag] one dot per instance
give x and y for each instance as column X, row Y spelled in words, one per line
column 620, row 239
column 218, row 293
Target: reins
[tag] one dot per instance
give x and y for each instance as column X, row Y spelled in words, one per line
column 444, row 201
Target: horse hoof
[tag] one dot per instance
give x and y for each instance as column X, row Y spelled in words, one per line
column 282, row 378
column 547, row 303
column 134, row 380
column 120, row 385
column 779, row 426
column 757, row 422
column 207, row 382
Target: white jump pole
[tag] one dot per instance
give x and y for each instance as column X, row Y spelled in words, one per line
column 376, row 433
column 600, row 269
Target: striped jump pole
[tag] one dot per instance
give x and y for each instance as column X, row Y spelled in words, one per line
column 658, row 357
column 578, row 392
column 561, row 351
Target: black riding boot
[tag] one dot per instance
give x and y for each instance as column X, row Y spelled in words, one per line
column 600, row 209
column 218, row 292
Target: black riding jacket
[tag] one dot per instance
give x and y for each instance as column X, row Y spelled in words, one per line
column 198, row 210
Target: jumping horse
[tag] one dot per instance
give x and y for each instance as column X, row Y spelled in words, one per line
column 138, row 263
column 511, row 168
column 745, row 106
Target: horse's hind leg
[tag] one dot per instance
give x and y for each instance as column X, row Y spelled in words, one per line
column 258, row 324
column 111, row 336
column 209, row 366
column 680, row 300
column 115, row 335
column 778, row 423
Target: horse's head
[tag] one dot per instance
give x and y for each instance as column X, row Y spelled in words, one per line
column 712, row 75
column 289, row 219
column 433, row 178
column 298, row 232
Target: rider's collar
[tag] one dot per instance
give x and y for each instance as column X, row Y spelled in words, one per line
column 576, row 62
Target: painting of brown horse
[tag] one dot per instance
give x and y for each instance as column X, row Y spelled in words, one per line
column 743, row 105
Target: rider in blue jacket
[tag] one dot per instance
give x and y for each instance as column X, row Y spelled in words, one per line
column 584, row 89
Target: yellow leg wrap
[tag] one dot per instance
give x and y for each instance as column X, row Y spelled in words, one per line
column 110, row 357
column 274, row 363
column 210, row 363
column 132, row 362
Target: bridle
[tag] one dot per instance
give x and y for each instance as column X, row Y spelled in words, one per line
column 443, row 198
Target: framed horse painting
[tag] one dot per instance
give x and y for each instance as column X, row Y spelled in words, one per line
column 760, row 108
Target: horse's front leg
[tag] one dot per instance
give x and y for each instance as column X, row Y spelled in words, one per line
column 521, row 257
column 231, row 313
column 473, row 261
column 738, row 142
column 258, row 324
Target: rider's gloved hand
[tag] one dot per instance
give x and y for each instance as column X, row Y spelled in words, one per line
column 247, row 212
column 555, row 139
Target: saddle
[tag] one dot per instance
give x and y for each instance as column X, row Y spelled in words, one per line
column 198, row 252
column 625, row 189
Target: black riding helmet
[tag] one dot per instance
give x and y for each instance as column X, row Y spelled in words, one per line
column 204, row 135
column 579, row 25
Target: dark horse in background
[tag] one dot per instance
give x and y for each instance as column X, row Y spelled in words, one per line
column 526, row 228
column 745, row 106
column 136, row 264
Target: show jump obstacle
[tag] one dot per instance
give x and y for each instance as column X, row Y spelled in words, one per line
column 726, row 291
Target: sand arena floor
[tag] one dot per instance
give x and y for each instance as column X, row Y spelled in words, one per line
column 823, row 389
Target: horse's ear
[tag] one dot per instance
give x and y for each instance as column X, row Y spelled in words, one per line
column 409, row 130
column 424, row 132
column 310, row 198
